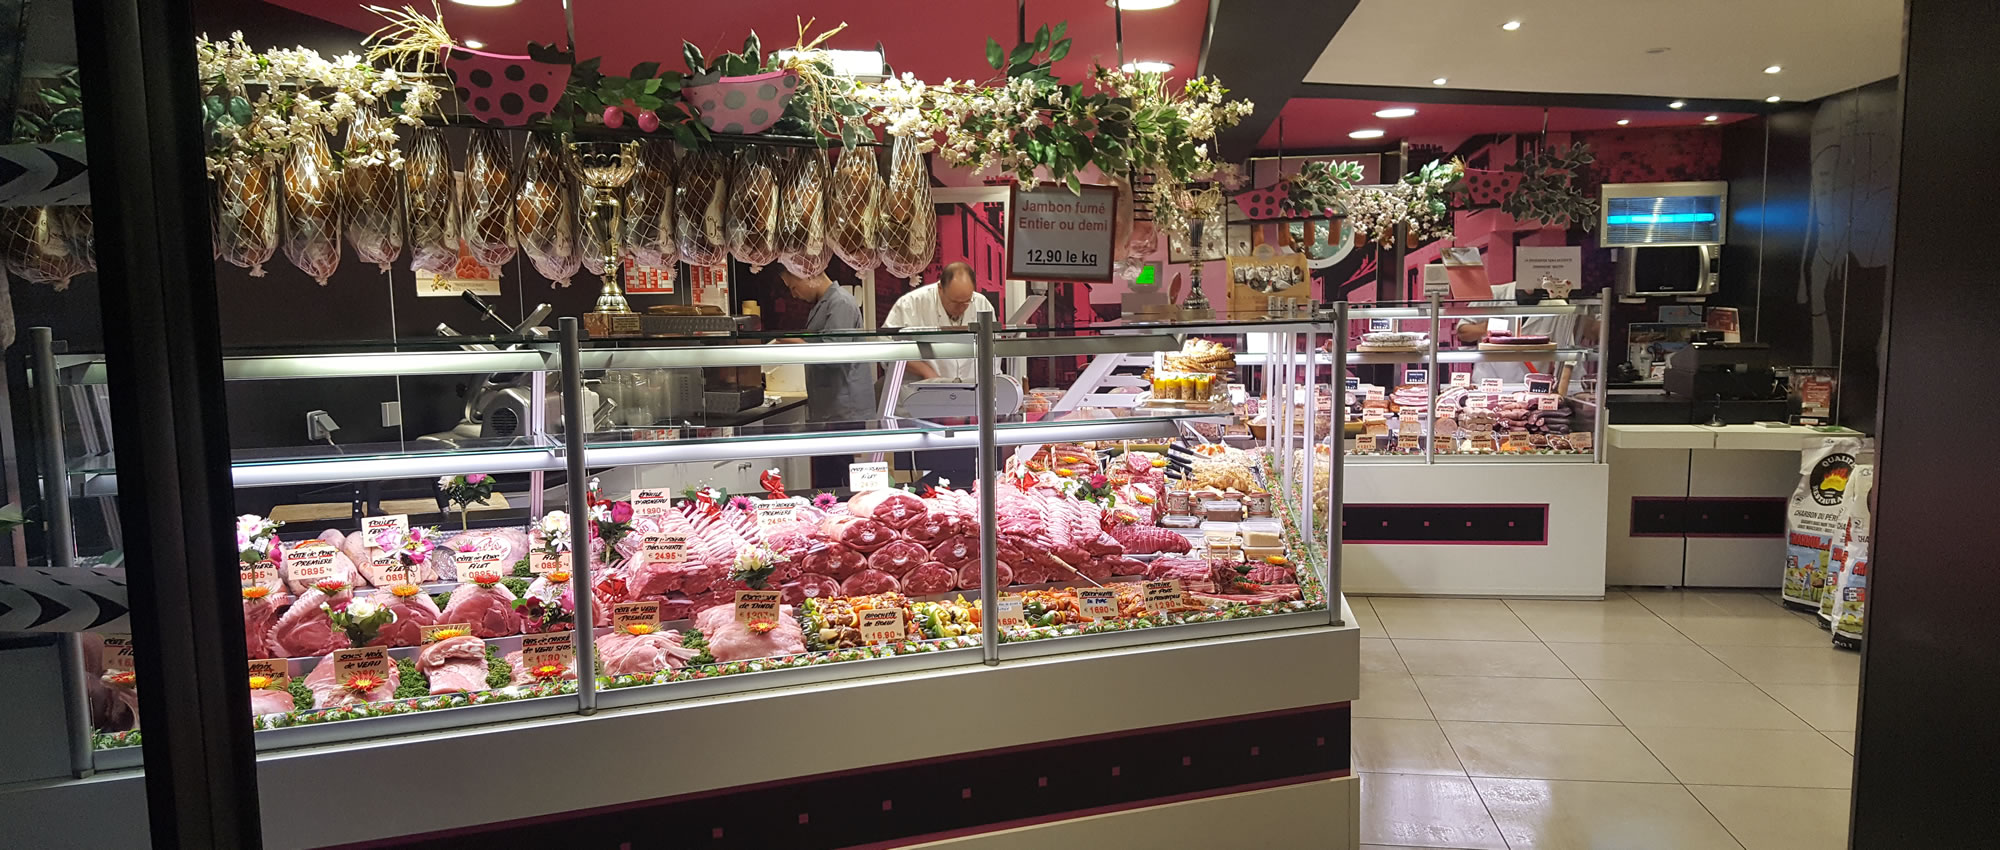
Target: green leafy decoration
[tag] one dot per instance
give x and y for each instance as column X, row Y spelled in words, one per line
column 1548, row 192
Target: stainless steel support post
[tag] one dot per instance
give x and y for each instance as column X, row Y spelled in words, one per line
column 1336, row 478
column 1305, row 487
column 61, row 541
column 538, row 428
column 1600, row 390
column 989, row 547
column 576, row 430
column 1431, row 374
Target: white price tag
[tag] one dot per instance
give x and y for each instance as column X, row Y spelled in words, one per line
column 651, row 502
column 373, row 527
column 863, row 477
column 1461, row 379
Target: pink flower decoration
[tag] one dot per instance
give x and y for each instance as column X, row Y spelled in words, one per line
column 825, row 501
column 475, row 478
column 621, row 511
column 741, row 503
column 1097, row 480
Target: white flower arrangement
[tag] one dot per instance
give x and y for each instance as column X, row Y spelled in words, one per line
column 260, row 104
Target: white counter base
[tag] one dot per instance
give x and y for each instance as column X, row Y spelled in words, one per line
column 1321, row 813
column 1566, row 561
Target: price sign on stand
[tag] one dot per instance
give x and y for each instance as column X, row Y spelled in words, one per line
column 1538, row 383
column 1461, row 379
column 1416, row 376
column 1163, row 595
column 277, row 670
column 264, row 572
column 772, row 513
column 311, row 562
column 371, row 661
column 549, row 649
column 390, row 566
column 882, row 625
column 863, row 477
column 1098, row 603
column 374, row 526
column 483, row 562
column 625, row 614
column 1546, row 402
column 1581, row 441
column 1056, row 234
column 651, row 502
column 544, row 563
column 1376, row 393
column 1380, row 325
column 1353, row 384
column 657, row 549
column 1011, row 614
column 755, row 605
column 118, row 652
column 1490, row 386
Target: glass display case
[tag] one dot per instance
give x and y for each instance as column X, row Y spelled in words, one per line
column 1105, row 486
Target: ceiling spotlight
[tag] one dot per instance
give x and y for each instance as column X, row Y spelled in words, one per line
column 1395, row 112
column 486, row 3
column 1712, row 118
column 1624, row 121
column 1150, row 67
column 1772, row 69
column 1439, row 81
column 1772, row 99
column 1139, row 5
column 1677, row 104
column 1511, row 26
column 474, row 43
column 1365, row 134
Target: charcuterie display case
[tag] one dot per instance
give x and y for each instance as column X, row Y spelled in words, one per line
column 1154, row 491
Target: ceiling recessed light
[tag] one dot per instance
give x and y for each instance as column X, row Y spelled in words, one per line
column 1677, row 104
column 487, row 3
column 1395, row 112
column 1712, row 118
column 1139, row 5
column 1772, row 99
column 1150, row 67
column 1624, row 121
column 1511, row 26
column 1772, row 69
column 1365, row 134
column 1439, row 81
column 474, row 43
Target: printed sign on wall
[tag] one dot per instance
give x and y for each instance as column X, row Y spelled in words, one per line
column 1054, row 234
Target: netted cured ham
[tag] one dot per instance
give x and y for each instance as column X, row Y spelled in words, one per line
column 648, row 223
column 544, row 209
column 700, row 199
column 486, row 218
column 906, row 227
column 50, row 244
column 851, row 208
column 431, row 191
column 246, row 204
column 802, row 242
column 373, row 194
column 751, row 222
column 312, row 208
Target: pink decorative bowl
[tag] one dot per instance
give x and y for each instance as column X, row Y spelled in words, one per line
column 1487, row 188
column 503, row 90
column 742, row 105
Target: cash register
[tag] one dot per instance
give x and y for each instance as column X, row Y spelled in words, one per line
column 1726, row 383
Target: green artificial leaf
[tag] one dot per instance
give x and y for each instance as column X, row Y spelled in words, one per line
column 645, row 70
column 1075, row 185
column 650, row 86
column 684, row 136
column 692, row 54
column 1021, row 54
column 589, row 66
column 753, row 50
column 993, row 53
column 1061, row 28
column 647, row 101
column 1042, row 38
column 1060, row 50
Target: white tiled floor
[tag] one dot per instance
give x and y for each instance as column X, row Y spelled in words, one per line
column 1669, row 719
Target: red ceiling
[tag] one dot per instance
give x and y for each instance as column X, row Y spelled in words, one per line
column 1318, row 123
column 933, row 40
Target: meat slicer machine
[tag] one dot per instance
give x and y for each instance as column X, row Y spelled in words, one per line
column 499, row 405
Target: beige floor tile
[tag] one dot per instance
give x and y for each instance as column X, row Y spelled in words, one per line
column 1803, row 665
column 1390, row 695
column 1707, row 603
column 1449, row 619
column 1767, row 757
column 1609, row 627
column 1480, row 658
column 1402, row 746
column 1643, row 662
column 1781, row 630
column 1701, row 705
column 1612, row 603
column 1828, row 708
column 1364, row 617
column 1378, row 655
column 1553, row 751
column 1534, row 813
column 1425, row 811
column 1513, row 700
column 1779, row 818
column 1844, row 740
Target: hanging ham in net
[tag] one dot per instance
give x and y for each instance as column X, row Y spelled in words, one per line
column 486, row 220
column 906, row 232
column 312, row 208
column 802, row 242
column 246, row 202
column 372, row 193
column 432, row 193
column 544, row 209
column 50, row 244
column 649, row 208
column 851, row 207
column 700, row 198
column 752, row 221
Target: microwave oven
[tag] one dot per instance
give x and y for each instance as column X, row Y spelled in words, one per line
column 1667, row 271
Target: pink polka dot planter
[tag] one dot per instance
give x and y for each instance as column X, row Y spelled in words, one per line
column 1487, row 188
column 503, row 90
column 1267, row 203
column 742, row 105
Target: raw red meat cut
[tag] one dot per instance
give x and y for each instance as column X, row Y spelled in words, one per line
column 521, row 675
column 627, row 654
column 305, row 629
column 1096, row 569
column 513, row 542
column 413, row 613
column 863, row 535
column 1273, row 574
column 894, row 508
column 1122, row 566
column 269, row 701
column 956, row 551
column 838, row 561
column 969, row 575
column 488, row 609
column 898, row 557
column 259, row 616
column 1149, row 539
column 810, row 586
column 455, row 665
column 932, row 528
column 344, row 565
column 328, row 693
column 729, row 640
column 929, row 579
column 868, row 582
